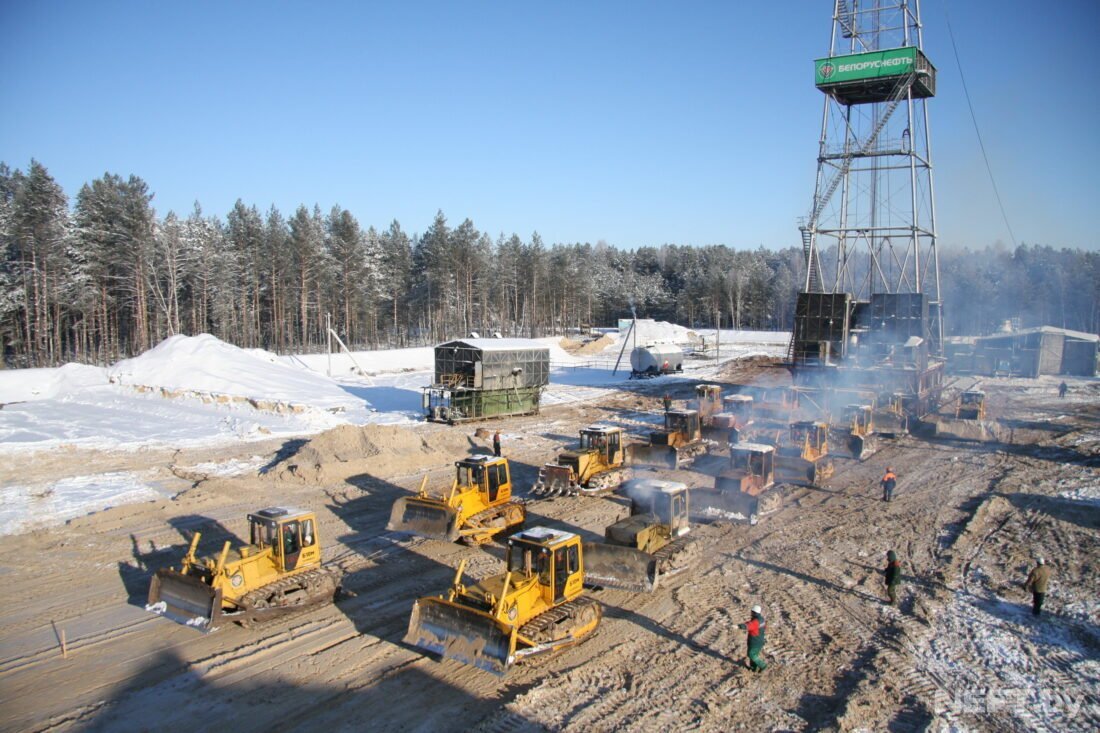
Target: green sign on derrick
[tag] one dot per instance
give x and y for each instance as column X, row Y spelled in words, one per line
column 872, row 77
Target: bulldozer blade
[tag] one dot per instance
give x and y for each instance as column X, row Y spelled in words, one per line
column 424, row 517
column 553, row 481
column 184, row 599
column 794, row 470
column 979, row 431
column 658, row 456
column 862, row 446
column 619, row 567
column 456, row 632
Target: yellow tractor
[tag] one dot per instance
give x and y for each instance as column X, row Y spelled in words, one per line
column 535, row 607
column 650, row 544
column 277, row 573
column 595, row 467
column 857, row 436
column 736, row 418
column 477, row 507
column 745, row 490
column 679, row 444
column 708, row 403
column 805, row 459
column 968, row 421
column 890, row 416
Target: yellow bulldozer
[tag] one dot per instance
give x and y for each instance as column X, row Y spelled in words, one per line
column 967, row 421
column 650, row 544
column 277, row 573
column 477, row 507
column 856, row 437
column 535, row 607
column 745, row 490
column 595, row 467
column 678, row 444
column 805, row 459
column 736, row 419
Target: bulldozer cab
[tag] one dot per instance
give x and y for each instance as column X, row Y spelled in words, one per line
column 553, row 556
column 607, row 441
column 811, row 437
column 680, row 426
column 291, row 535
column 859, row 419
column 667, row 501
column 489, row 475
column 739, row 405
column 971, row 405
column 708, row 399
column 751, row 468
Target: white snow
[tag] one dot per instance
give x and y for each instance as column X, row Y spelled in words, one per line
column 24, row 508
column 198, row 391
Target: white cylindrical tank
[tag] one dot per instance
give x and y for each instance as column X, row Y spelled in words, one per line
column 657, row 359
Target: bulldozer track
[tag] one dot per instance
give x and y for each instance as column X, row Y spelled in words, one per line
column 287, row 596
column 559, row 621
column 677, row 556
column 513, row 513
column 602, row 483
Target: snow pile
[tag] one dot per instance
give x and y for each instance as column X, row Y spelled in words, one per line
column 205, row 365
column 648, row 331
column 25, row 385
column 23, row 508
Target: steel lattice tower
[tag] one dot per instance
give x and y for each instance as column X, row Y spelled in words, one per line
column 872, row 224
column 868, row 324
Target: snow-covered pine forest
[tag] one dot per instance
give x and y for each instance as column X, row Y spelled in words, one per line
column 104, row 275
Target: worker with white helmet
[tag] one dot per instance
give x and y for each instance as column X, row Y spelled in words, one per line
column 1037, row 582
column 755, row 626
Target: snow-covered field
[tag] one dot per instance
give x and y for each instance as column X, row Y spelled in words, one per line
column 199, row 391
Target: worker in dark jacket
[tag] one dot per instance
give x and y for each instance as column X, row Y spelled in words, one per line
column 667, row 401
column 1037, row 582
column 1062, row 388
column 889, row 481
column 892, row 575
column 755, row 626
column 496, row 443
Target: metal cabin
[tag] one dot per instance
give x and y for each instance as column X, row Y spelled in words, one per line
column 478, row 378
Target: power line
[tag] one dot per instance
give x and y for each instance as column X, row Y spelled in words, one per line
column 977, row 131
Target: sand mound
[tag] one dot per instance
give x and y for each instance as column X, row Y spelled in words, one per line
column 383, row 451
column 595, row 347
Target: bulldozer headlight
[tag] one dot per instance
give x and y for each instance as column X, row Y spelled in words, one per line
column 237, row 580
column 512, row 613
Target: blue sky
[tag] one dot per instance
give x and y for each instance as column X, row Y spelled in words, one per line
column 636, row 123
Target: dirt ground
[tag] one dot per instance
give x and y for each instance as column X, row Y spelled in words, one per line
column 960, row 652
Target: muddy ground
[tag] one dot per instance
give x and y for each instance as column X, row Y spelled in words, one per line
column 961, row 651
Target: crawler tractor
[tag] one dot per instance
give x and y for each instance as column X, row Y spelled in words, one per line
column 595, row 467
column 677, row 445
column 277, row 573
column 805, row 460
column 651, row 543
column 969, row 421
column 708, row 403
column 535, row 607
column 736, row 418
column 745, row 490
column 477, row 507
column 857, row 437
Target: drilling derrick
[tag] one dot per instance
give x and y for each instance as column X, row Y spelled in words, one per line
column 869, row 316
